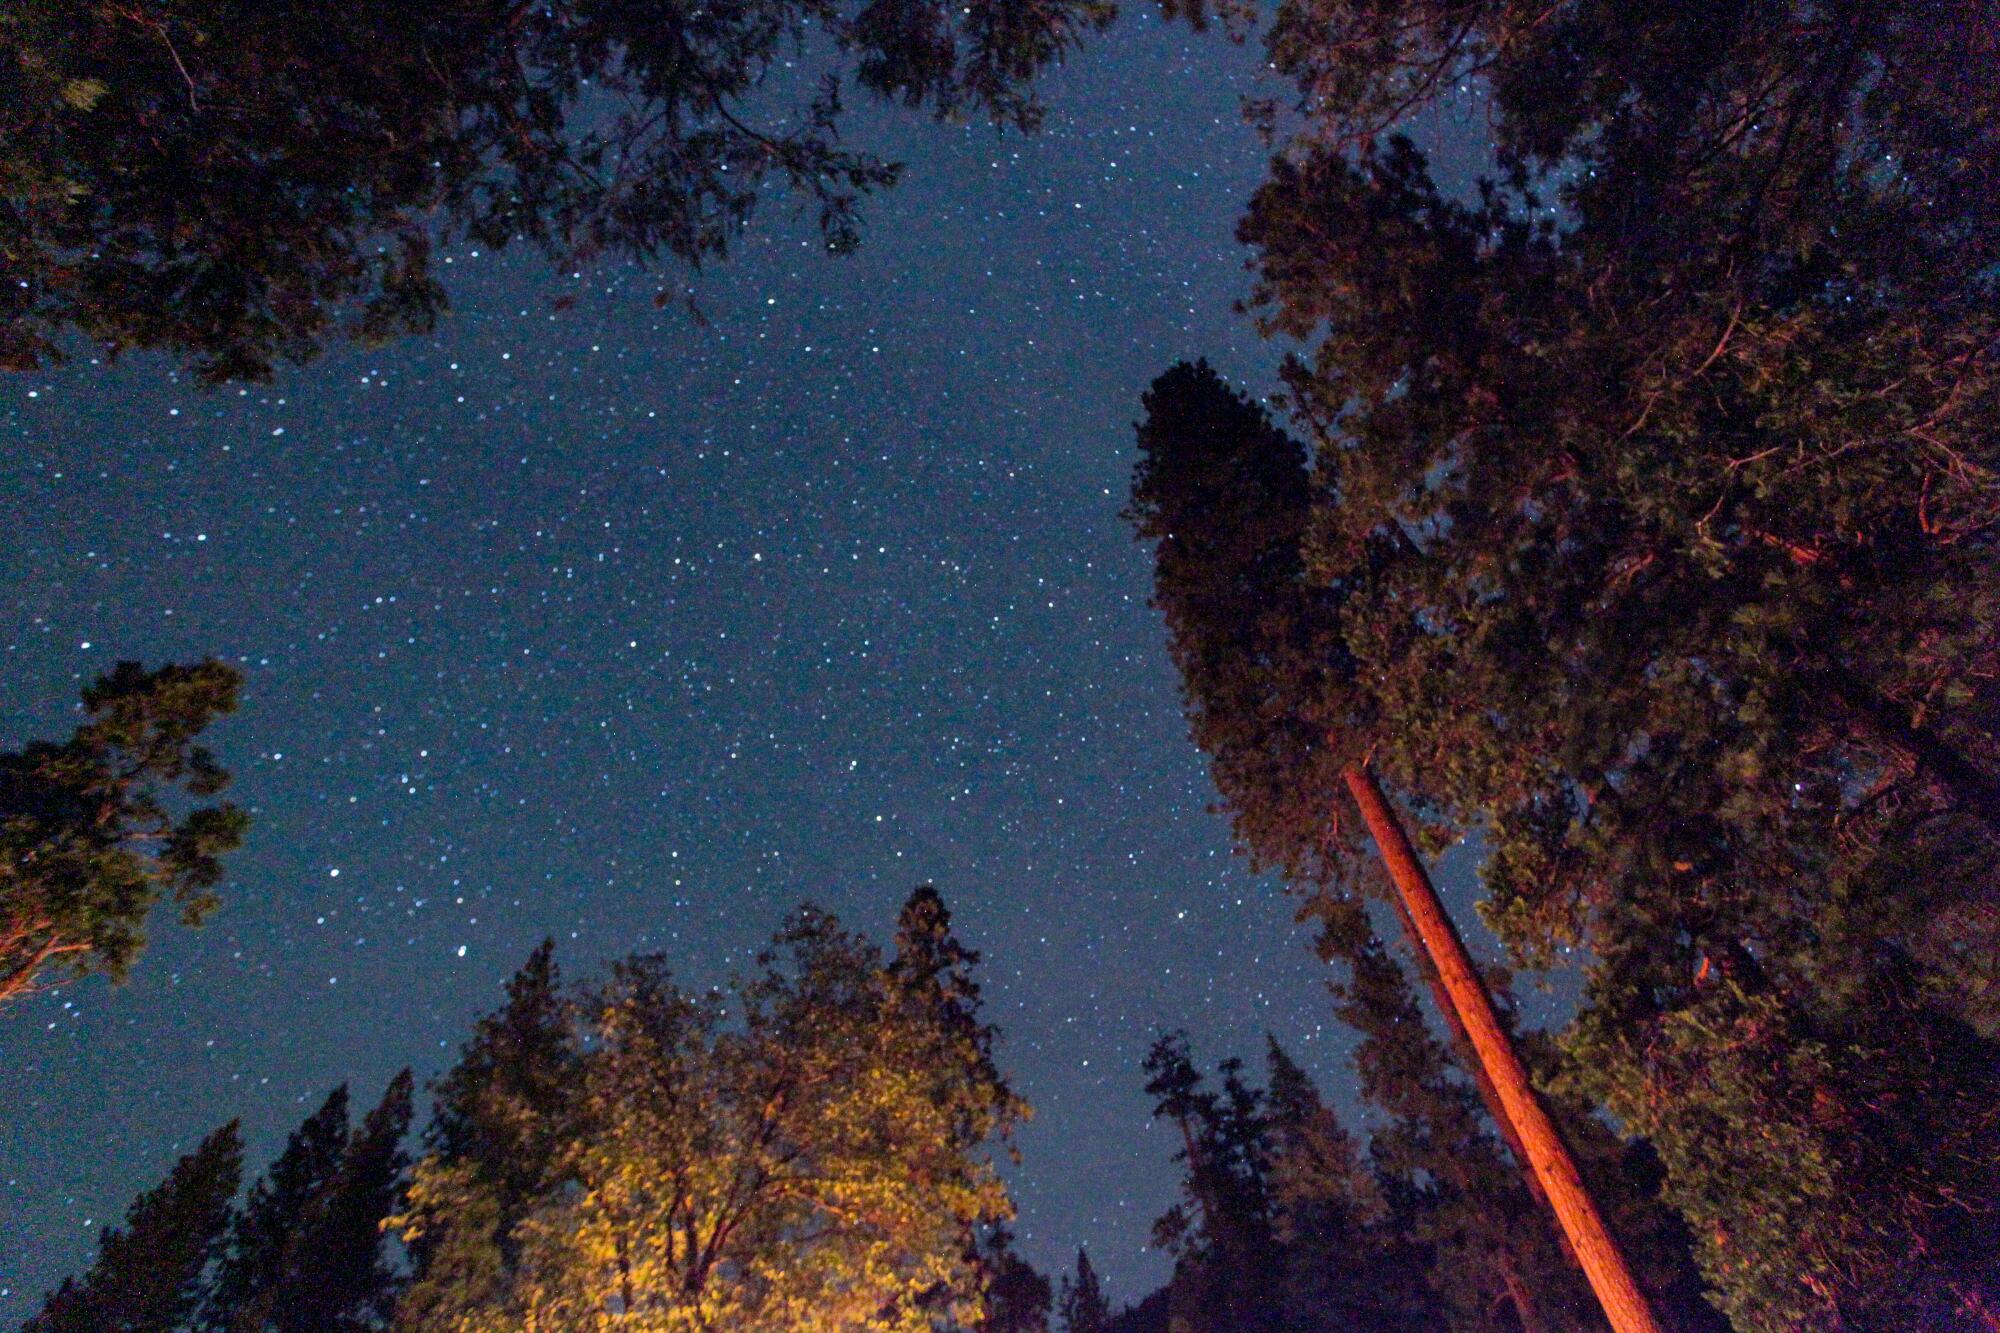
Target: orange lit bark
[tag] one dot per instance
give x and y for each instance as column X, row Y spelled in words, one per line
column 1548, row 1158
column 1468, row 1057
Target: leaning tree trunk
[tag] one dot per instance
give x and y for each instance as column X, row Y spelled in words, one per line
column 1548, row 1158
column 1525, row 1307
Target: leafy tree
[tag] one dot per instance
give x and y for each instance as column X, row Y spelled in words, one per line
column 1684, row 432
column 88, row 840
column 147, row 1278
column 811, row 1150
column 240, row 184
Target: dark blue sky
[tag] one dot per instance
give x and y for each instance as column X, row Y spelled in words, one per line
column 603, row 625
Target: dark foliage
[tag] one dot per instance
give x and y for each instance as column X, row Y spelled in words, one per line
column 1684, row 430
column 240, row 184
column 148, row 1273
column 307, row 1253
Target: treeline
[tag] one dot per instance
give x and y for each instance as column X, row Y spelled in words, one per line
column 814, row 1147
column 817, row 1148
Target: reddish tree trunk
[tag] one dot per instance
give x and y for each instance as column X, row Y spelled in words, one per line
column 1468, row 1059
column 1548, row 1158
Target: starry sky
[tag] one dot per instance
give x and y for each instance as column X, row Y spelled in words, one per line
column 598, row 623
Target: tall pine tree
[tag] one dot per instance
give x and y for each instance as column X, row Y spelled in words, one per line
column 307, row 1252
column 1273, row 695
column 1693, row 480
column 148, row 1273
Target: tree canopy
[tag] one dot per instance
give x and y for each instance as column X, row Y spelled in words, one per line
column 812, row 1149
column 90, row 837
column 1681, row 430
column 815, row 1146
column 241, row 184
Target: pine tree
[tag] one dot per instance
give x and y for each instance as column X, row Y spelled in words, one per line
column 307, row 1252
column 147, row 1277
column 1080, row 1305
column 336, row 1278
column 250, row 1276
column 502, row 1114
column 1446, row 1176
column 1344, row 1267
column 1016, row 1298
column 1695, row 611
column 1273, row 696
column 1226, row 1262
column 88, row 842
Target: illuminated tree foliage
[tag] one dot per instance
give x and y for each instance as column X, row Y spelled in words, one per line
column 90, row 839
column 1683, row 432
column 241, row 183
column 810, row 1151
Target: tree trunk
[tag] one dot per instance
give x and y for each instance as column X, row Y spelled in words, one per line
column 1525, row 1309
column 1468, row 1060
column 1549, row 1159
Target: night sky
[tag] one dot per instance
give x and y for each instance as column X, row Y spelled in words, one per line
column 601, row 624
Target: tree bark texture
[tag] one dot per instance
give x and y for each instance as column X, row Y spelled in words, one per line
column 1548, row 1158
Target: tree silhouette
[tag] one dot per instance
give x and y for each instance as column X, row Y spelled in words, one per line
column 1080, row 1303
column 240, row 185
column 307, row 1253
column 147, row 1278
column 1273, row 696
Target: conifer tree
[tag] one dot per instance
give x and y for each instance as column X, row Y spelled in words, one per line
column 1016, row 1299
column 1080, row 1304
column 1227, row 1273
column 1273, row 696
column 502, row 1114
column 1345, row 1266
column 251, row 1273
column 337, row 1275
column 1446, row 1176
column 89, row 840
column 1693, row 480
column 307, row 1253
column 148, row 1273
